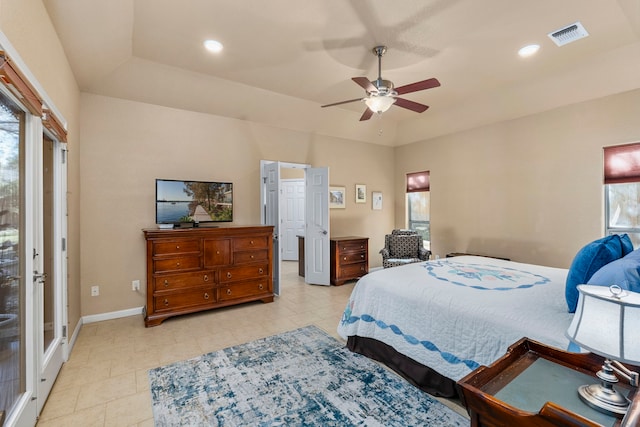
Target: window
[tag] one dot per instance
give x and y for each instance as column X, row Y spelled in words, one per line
column 622, row 191
column 418, row 205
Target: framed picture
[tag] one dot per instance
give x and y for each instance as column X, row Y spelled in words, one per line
column 361, row 193
column 376, row 200
column 336, row 197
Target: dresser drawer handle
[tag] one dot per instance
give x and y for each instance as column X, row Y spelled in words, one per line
column 177, row 264
column 166, row 283
column 177, row 246
column 206, row 295
column 252, row 257
column 217, row 252
column 362, row 256
column 228, row 291
column 260, row 271
column 251, row 242
column 166, row 302
column 228, row 275
column 206, row 277
column 260, row 286
column 345, row 258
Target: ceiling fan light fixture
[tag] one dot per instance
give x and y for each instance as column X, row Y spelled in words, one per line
column 379, row 104
column 213, row 46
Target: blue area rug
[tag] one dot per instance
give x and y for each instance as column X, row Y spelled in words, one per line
column 302, row 377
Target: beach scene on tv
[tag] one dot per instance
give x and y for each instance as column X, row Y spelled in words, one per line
column 193, row 201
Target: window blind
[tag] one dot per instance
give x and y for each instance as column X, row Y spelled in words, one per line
column 622, row 163
column 417, row 181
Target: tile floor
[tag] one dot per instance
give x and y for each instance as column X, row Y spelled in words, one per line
column 105, row 381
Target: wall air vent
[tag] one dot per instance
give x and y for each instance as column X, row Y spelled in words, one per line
column 568, row 34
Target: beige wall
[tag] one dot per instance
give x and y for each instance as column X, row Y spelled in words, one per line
column 26, row 24
column 127, row 145
column 528, row 189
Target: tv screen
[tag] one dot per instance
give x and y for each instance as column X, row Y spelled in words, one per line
column 193, row 201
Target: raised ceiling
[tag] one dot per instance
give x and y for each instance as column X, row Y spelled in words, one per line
column 283, row 59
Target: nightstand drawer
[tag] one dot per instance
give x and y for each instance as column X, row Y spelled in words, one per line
column 349, row 258
column 352, row 246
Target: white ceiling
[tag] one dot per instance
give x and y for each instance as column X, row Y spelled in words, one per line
column 283, row 59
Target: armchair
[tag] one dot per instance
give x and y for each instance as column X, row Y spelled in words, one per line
column 403, row 247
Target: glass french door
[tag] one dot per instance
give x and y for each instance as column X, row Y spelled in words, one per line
column 32, row 263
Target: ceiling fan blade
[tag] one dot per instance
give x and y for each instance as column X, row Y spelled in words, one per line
column 366, row 115
column 415, row 87
column 410, row 105
column 365, row 84
column 342, row 102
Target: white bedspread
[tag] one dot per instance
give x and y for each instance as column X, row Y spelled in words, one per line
column 456, row 314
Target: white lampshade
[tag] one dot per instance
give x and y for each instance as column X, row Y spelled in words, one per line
column 607, row 324
column 379, row 104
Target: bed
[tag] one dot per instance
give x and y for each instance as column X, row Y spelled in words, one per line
column 434, row 322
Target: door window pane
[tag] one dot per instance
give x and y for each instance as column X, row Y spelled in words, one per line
column 12, row 356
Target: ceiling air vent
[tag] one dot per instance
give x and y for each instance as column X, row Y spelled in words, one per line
column 568, row 34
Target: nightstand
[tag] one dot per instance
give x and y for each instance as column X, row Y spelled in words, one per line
column 534, row 385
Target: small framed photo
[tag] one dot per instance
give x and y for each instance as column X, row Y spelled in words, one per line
column 361, row 193
column 337, row 197
column 376, row 200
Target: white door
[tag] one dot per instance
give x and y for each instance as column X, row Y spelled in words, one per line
column 292, row 216
column 272, row 216
column 49, row 267
column 316, row 241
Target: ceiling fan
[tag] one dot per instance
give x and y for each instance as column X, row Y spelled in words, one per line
column 381, row 94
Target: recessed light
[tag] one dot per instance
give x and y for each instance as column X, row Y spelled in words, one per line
column 213, row 46
column 528, row 50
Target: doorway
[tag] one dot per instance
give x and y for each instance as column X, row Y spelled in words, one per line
column 316, row 217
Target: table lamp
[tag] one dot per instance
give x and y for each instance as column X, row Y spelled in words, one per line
column 607, row 323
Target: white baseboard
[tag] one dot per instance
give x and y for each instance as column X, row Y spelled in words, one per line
column 112, row 315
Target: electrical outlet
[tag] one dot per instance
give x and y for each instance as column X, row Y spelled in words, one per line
column 95, row 291
column 135, row 285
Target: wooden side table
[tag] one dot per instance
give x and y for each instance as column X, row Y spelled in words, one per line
column 534, row 385
column 349, row 258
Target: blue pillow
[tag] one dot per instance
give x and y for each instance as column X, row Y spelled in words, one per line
column 587, row 261
column 627, row 245
column 624, row 272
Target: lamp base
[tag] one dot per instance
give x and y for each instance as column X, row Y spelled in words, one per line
column 606, row 400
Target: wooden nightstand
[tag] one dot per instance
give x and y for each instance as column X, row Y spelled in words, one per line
column 349, row 258
column 534, row 385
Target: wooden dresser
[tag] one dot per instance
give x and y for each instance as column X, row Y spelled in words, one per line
column 349, row 258
column 195, row 269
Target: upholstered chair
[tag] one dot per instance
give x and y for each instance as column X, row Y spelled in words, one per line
column 403, row 247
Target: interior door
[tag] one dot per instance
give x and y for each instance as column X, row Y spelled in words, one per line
column 316, row 241
column 48, row 266
column 272, row 216
column 292, row 217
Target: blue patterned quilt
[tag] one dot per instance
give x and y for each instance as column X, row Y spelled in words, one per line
column 456, row 314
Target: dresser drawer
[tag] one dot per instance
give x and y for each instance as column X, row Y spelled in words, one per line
column 217, row 252
column 352, row 257
column 240, row 273
column 351, row 246
column 250, row 256
column 176, row 301
column 176, row 247
column 176, row 264
column 246, row 243
column 181, row 281
column 244, row 289
column 352, row 271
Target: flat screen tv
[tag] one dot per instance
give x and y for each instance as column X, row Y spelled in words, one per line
column 193, row 201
